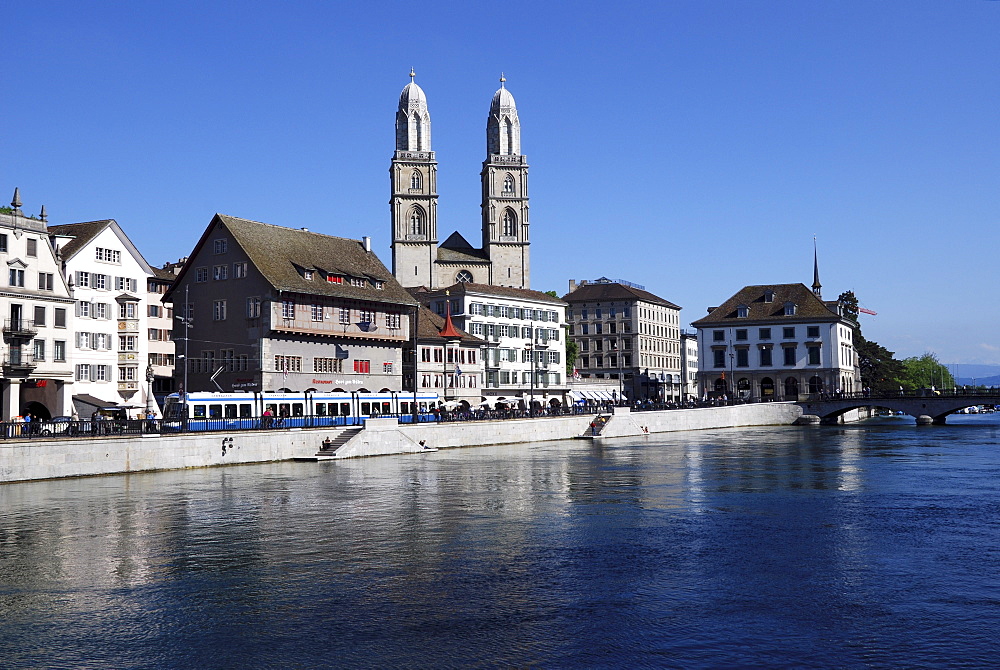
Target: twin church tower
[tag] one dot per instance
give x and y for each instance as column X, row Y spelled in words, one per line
column 417, row 259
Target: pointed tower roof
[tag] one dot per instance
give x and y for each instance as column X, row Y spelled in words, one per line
column 816, row 287
column 16, row 202
column 448, row 331
column 412, row 96
column 502, row 99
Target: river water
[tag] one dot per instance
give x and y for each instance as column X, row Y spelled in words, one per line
column 868, row 545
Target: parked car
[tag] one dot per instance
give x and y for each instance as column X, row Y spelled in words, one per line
column 59, row 424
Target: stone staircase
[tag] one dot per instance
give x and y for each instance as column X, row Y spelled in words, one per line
column 337, row 441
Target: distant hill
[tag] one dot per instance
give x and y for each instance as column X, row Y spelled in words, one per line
column 978, row 381
column 970, row 370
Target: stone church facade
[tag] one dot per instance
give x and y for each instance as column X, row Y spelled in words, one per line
column 418, row 259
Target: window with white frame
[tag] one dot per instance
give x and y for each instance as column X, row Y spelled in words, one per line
column 201, row 275
column 220, row 272
column 239, row 270
column 221, row 245
column 253, row 307
column 108, row 255
column 219, row 310
column 288, row 309
column 316, row 312
column 345, row 315
column 392, row 321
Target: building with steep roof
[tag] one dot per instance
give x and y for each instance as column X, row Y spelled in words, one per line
column 109, row 350
column 524, row 354
column 777, row 341
column 417, row 258
column 264, row 307
column 160, row 328
column 36, row 305
column 624, row 332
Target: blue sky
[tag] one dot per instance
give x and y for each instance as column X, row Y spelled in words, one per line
column 691, row 147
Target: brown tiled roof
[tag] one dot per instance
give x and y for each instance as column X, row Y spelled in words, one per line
column 463, row 288
column 164, row 275
column 807, row 306
column 81, row 233
column 430, row 324
column 613, row 291
column 280, row 254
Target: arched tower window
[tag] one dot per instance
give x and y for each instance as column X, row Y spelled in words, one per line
column 418, row 225
column 509, row 223
column 463, row 276
column 415, row 180
column 508, row 185
column 508, row 136
column 416, row 132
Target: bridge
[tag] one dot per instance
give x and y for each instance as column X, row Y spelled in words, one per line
column 925, row 405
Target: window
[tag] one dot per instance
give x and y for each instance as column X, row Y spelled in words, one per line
column 417, row 226
column 387, row 368
column 83, row 372
column 126, row 284
column 415, row 179
column 812, row 331
column 789, row 355
column 127, row 310
column 764, row 334
column 16, row 277
column 126, row 373
column 39, row 350
column 814, row 355
column 99, row 281
column 765, row 357
column 509, row 224
column 719, row 358
column 59, row 350
column 154, row 310
column 788, row 333
column 508, row 185
column 288, row 309
column 288, row 363
column 253, row 307
column 742, row 357
column 790, row 309
column 316, row 312
column 335, row 279
column 39, row 316
column 718, row 336
column 32, row 247
column 201, row 275
column 101, row 311
column 3, row 243
column 220, row 272
column 45, row 281
column 392, row 321
column 307, row 275
column 219, row 310
column 345, row 316
column 768, row 296
column 239, row 270
column 221, row 245
column 363, row 367
column 742, row 312
column 741, row 334
column 366, row 316
column 108, row 255
column 127, row 343
column 328, row 365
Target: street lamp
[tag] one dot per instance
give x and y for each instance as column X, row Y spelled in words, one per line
column 621, row 379
column 186, row 321
column 732, row 377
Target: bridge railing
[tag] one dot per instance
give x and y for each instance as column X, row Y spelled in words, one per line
column 988, row 395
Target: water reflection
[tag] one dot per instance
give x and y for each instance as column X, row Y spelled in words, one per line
column 787, row 546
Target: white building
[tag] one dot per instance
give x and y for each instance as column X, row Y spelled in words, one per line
column 160, row 328
column 689, row 365
column 109, row 350
column 777, row 342
column 35, row 303
column 525, row 351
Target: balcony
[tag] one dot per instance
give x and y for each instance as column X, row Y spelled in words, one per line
column 20, row 329
column 16, row 363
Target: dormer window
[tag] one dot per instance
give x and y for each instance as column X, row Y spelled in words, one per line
column 335, row 279
column 768, row 296
column 790, row 309
column 742, row 312
column 308, row 274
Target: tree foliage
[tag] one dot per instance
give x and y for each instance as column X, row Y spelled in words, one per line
column 880, row 371
column 926, row 371
column 572, row 350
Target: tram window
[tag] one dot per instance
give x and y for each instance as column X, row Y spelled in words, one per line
column 333, row 408
column 283, row 409
column 215, row 411
column 246, row 410
column 271, row 406
column 345, row 409
column 366, row 408
column 404, row 407
column 387, row 408
column 321, row 409
column 230, row 411
column 199, row 411
column 297, row 409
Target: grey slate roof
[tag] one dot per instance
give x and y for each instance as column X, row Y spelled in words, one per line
column 82, row 233
column 611, row 292
column 456, row 249
column 808, row 306
column 280, row 254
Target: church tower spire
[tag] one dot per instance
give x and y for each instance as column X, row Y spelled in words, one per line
column 413, row 175
column 817, row 287
column 505, row 194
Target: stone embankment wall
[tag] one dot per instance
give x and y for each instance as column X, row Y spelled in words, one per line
column 48, row 459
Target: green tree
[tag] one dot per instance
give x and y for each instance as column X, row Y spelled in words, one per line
column 880, row 371
column 572, row 349
column 552, row 293
column 926, row 371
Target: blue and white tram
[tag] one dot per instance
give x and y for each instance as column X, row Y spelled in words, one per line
column 248, row 410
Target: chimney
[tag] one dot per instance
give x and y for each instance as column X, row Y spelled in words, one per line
column 367, row 241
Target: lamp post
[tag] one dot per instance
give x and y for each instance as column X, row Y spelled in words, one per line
column 531, row 387
column 732, row 378
column 621, row 380
column 186, row 321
